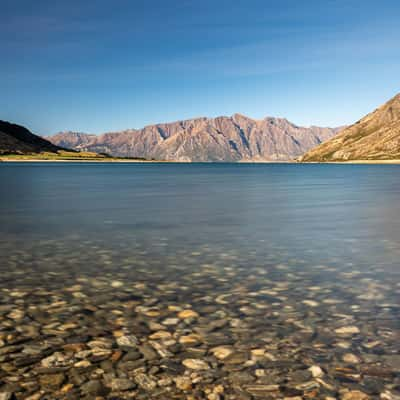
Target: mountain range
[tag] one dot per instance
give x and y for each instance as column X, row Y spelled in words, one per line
column 229, row 139
column 374, row 137
column 237, row 138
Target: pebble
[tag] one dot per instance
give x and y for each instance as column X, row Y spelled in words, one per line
column 350, row 358
column 53, row 381
column 183, row 383
column 117, row 284
column 189, row 339
column 83, row 364
column 355, row 395
column 316, row 371
column 160, row 335
column 145, row 382
column 261, row 390
column 187, row 314
column 297, row 398
column 311, row 303
column 148, row 352
column 127, row 341
column 236, row 357
column 195, row 364
column 222, row 352
column 121, row 384
column 92, row 387
column 347, row 330
column 56, row 360
column 170, row 321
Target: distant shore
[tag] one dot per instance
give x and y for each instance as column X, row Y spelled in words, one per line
column 27, row 158
column 110, row 160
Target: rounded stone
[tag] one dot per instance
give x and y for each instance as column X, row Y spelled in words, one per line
column 194, row 363
column 188, row 314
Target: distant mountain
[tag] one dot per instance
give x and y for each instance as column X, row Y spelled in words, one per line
column 374, row 137
column 15, row 139
column 236, row 138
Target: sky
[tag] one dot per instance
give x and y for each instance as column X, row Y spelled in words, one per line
column 101, row 65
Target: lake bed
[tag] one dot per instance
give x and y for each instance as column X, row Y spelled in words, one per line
column 199, row 281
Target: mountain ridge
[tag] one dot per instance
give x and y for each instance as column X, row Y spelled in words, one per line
column 16, row 139
column 376, row 136
column 234, row 138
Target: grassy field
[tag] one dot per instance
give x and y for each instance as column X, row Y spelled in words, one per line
column 66, row 156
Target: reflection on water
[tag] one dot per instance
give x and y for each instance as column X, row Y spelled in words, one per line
column 214, row 281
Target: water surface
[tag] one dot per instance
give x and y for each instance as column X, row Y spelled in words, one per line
column 276, row 258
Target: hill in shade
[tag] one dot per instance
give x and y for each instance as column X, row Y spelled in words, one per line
column 374, row 137
column 236, row 138
column 15, row 139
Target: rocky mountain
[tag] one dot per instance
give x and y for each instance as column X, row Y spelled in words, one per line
column 236, row 138
column 15, row 139
column 374, row 137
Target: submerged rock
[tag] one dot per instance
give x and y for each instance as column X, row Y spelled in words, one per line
column 127, row 341
column 355, row 395
column 347, row 330
column 195, row 364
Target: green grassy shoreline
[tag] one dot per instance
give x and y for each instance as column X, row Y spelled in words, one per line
column 68, row 156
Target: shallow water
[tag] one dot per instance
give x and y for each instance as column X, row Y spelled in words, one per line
column 289, row 268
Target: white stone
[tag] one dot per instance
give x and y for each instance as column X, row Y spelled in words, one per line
column 316, row 371
column 310, row 303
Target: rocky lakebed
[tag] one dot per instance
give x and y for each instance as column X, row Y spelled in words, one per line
column 123, row 323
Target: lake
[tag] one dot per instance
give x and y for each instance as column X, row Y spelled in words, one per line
column 241, row 281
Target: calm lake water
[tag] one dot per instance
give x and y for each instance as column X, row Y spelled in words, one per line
column 286, row 266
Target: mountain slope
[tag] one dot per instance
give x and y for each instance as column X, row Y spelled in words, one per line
column 15, row 139
column 374, row 137
column 236, row 138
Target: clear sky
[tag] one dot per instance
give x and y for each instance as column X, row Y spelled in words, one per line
column 103, row 65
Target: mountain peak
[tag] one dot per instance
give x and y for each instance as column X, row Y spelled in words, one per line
column 240, row 116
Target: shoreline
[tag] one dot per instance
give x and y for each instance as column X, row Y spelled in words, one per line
column 81, row 161
column 352, row 162
column 87, row 159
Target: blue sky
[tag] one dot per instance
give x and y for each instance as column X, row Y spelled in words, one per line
column 100, row 65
